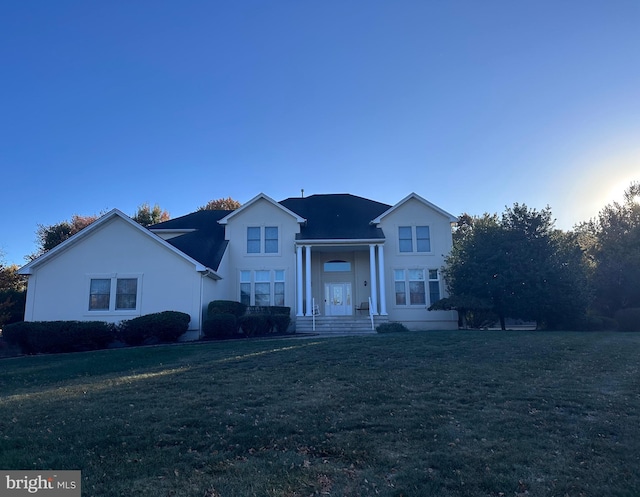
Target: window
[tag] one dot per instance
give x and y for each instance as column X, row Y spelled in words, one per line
column 99, row 294
column 113, row 294
column 413, row 280
column 423, row 239
column 255, row 236
column 414, row 239
column 253, row 240
column 126, row 293
column 271, row 240
column 337, row 266
column 406, row 239
column 434, row 286
column 262, row 287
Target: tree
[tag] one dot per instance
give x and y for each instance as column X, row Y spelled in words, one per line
column 12, row 294
column 48, row 237
column 221, row 204
column 613, row 241
column 146, row 216
column 516, row 266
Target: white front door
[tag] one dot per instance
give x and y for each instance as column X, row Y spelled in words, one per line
column 337, row 299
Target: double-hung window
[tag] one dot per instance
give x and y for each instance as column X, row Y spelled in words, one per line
column 262, row 240
column 410, row 287
column 262, row 287
column 113, row 293
column 414, row 239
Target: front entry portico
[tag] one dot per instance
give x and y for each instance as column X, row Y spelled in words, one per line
column 338, row 299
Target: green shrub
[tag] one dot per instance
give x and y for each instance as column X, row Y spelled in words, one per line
column 255, row 324
column 12, row 303
column 628, row 319
column 220, row 326
column 226, row 307
column 44, row 337
column 391, row 328
column 280, row 322
column 163, row 327
column 268, row 309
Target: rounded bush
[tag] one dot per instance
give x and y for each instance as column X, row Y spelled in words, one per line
column 220, row 326
column 255, row 324
column 226, row 307
column 45, row 337
column 164, row 327
column 391, row 328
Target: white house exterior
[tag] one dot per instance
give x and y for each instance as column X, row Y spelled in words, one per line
column 335, row 259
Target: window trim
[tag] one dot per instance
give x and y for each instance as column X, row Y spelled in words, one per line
column 113, row 296
column 262, row 240
column 414, row 239
column 274, row 278
column 406, row 281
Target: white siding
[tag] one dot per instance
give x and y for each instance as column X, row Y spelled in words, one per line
column 59, row 288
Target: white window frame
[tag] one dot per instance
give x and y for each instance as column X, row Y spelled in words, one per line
column 262, row 241
column 414, row 239
column 437, row 280
column 113, row 286
column 276, row 277
column 406, row 281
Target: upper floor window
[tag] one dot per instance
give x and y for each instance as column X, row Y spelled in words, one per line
column 414, row 239
column 262, row 240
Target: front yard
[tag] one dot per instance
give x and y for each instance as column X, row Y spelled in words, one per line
column 415, row 414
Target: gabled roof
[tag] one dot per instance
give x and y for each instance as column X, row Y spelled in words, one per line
column 337, row 217
column 255, row 199
column 203, row 237
column 98, row 224
column 417, row 197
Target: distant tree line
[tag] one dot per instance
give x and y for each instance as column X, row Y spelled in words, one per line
column 519, row 266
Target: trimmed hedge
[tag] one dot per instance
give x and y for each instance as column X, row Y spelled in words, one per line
column 220, row 326
column 628, row 319
column 163, row 327
column 226, row 307
column 255, row 324
column 47, row 337
column 391, row 328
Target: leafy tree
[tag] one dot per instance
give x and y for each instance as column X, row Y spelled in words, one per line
column 612, row 243
column 516, row 266
column 221, row 204
column 146, row 216
column 12, row 294
column 48, row 237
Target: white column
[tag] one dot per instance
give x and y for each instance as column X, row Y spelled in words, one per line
column 308, row 279
column 372, row 271
column 383, row 290
column 299, row 287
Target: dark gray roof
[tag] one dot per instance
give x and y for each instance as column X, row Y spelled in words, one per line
column 337, row 216
column 206, row 244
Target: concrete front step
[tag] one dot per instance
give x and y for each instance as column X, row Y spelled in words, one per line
column 341, row 324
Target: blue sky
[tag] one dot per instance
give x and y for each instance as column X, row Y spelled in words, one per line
column 473, row 105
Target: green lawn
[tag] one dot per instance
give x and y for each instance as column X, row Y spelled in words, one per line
column 417, row 414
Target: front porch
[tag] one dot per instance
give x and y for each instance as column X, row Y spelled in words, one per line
column 339, row 324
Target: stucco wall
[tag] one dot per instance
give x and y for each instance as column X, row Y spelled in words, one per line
column 261, row 213
column 59, row 288
column 416, row 213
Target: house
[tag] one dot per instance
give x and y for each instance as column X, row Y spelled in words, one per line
column 338, row 260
